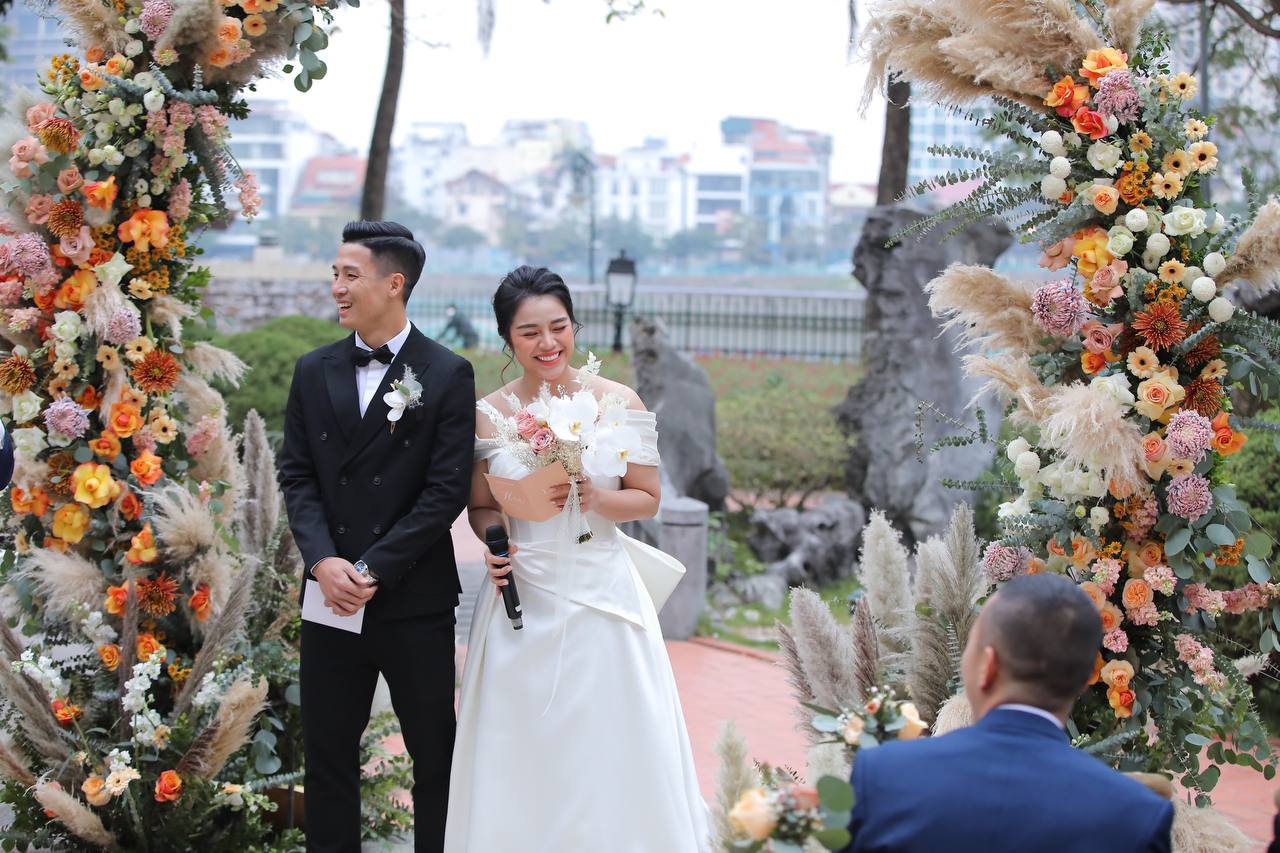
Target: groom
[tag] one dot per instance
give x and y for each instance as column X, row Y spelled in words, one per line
column 370, row 503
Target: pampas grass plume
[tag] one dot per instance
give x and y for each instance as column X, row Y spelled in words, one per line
column 75, row 815
column 866, row 648
column 955, row 713
column 825, row 651
column 885, row 580
column 986, row 309
column 231, row 725
column 1256, row 258
column 183, row 523
column 735, row 776
column 215, row 363
column 1088, row 428
column 12, row 764
column 66, row 581
column 1206, row 830
column 1009, row 376
column 1124, row 18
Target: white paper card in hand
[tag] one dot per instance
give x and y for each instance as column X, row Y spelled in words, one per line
column 313, row 610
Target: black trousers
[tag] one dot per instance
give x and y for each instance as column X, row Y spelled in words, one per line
column 339, row 673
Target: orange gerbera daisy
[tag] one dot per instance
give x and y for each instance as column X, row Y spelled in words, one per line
column 58, row 135
column 156, row 372
column 1161, row 326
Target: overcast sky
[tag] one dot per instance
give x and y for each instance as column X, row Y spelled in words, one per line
column 674, row 76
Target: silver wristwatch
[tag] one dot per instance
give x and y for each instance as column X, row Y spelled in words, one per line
column 365, row 572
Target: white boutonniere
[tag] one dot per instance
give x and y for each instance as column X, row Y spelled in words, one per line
column 404, row 395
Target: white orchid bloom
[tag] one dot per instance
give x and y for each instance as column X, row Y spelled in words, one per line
column 572, row 417
column 611, row 450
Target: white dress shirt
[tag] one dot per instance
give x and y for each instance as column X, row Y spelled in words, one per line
column 369, row 377
column 1032, row 709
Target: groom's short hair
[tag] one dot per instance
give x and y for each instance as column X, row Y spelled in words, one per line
column 1046, row 633
column 393, row 248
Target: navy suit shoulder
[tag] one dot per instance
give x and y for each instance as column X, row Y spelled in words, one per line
column 1010, row 783
column 6, row 459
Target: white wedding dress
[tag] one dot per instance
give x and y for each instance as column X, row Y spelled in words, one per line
column 570, row 734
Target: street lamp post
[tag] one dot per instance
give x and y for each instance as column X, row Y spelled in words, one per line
column 620, row 291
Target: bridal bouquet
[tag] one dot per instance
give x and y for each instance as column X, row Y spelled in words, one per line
column 588, row 435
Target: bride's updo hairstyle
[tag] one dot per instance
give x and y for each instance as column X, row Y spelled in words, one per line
column 522, row 283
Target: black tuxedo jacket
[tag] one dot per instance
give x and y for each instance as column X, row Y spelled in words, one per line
column 356, row 489
column 6, row 459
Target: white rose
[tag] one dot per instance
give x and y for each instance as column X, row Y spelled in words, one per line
column 113, row 157
column 1153, row 219
column 1026, row 465
column 145, row 79
column 132, row 26
column 29, row 441
column 1219, row 222
column 66, row 349
column 1016, row 448
column 144, row 200
column 1150, row 260
column 133, row 48
column 1220, row 310
column 1104, row 157
column 1051, row 143
column 1136, row 219
column 1119, row 241
column 1214, row 263
column 1158, row 245
column 1113, row 123
column 1204, row 288
column 133, row 149
column 1073, row 140
column 1060, row 167
column 1052, row 187
column 26, row 407
column 1098, row 517
column 153, row 100
column 1184, row 221
column 1116, row 386
column 1190, row 274
column 66, row 326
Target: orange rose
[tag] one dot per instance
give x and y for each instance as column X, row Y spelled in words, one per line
column 147, row 646
column 125, row 419
column 199, row 603
column 95, row 791
column 1089, row 123
column 116, row 65
column 1225, row 441
column 1117, row 674
column 88, row 398
column 1095, row 593
column 1067, row 96
column 94, row 485
column 71, row 522
column 110, row 654
column 1081, row 549
column 70, row 296
column 117, row 599
column 221, row 57
column 142, row 548
column 1099, row 63
column 229, row 30
column 90, row 81
column 1097, row 670
column 106, row 446
column 65, row 712
column 1090, row 251
column 101, row 194
column 1111, row 617
column 1036, row 566
column 168, row 787
column 146, row 228
column 95, row 54
column 129, row 505
column 1157, row 394
column 1121, row 702
column 1137, row 593
column 35, row 502
column 1093, row 362
column 1104, row 198
column 43, row 298
column 147, row 468
column 1151, row 553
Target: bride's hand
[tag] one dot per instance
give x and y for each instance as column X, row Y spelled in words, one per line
column 560, row 494
column 500, row 567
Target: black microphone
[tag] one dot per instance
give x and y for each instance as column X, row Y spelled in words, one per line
column 495, row 538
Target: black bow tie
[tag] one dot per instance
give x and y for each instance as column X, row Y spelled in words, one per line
column 362, row 357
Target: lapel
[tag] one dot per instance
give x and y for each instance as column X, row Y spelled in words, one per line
column 340, row 380
column 413, row 353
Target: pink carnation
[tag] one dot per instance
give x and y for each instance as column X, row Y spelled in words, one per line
column 1189, row 435
column 1188, row 496
column 1106, row 574
column 124, row 326
column 203, row 436
column 1161, row 579
column 10, row 292
column 1116, row 641
column 1059, row 308
column 66, row 418
column 1003, row 563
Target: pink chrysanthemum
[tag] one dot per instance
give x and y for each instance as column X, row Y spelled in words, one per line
column 1059, row 308
column 1117, row 96
column 1002, row 563
column 31, row 256
column 1106, row 574
column 1189, row 497
column 1116, row 641
column 66, row 418
column 155, row 18
column 124, row 326
column 1189, row 435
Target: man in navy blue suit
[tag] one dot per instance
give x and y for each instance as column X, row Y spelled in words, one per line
column 6, row 457
column 1012, row 781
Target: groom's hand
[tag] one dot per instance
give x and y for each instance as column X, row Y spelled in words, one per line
column 345, row 590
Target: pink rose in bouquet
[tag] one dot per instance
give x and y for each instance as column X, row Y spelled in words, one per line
column 542, row 441
column 1099, row 337
column 526, row 424
column 38, row 114
column 78, row 247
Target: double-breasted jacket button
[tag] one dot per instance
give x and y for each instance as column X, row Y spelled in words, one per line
column 377, row 530
column 342, row 481
column 377, row 479
column 407, row 442
column 324, row 436
column 342, row 528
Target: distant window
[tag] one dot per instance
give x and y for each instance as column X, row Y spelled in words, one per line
column 635, row 188
column 657, row 210
column 720, row 183
column 657, row 187
column 711, row 206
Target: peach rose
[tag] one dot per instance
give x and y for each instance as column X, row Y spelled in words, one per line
column 95, row 791
column 1137, row 593
column 915, row 726
column 1099, row 63
column 117, row 65
column 110, row 654
column 853, row 729
column 129, row 505
column 168, row 787
column 1095, row 593
column 38, row 207
column 1153, row 447
column 142, row 548
column 95, row 54
column 101, row 194
column 1157, row 394
column 117, row 599
column 1111, row 617
column 1058, row 255
column 229, row 30
column 106, row 446
column 1089, row 123
column 147, row 468
column 69, row 180
column 221, row 58
column 1066, row 96
column 1104, row 198
column 1121, row 702
column 753, row 815
column 1151, row 553
column 1118, row 674
column 39, row 113
column 90, row 80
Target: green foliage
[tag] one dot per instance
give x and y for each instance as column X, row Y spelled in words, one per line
column 461, row 237
column 495, row 369
column 271, row 350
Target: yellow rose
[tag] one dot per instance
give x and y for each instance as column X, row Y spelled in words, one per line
column 94, row 485
column 753, row 815
column 915, row 726
column 1090, row 252
column 1099, row 63
column 1157, row 394
column 71, row 522
column 95, row 791
column 853, row 730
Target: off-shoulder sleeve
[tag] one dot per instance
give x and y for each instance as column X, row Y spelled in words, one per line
column 487, row 448
column 646, row 424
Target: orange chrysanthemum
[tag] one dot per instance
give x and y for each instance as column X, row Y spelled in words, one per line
column 158, row 597
column 58, row 135
column 200, row 604
column 1207, row 348
column 156, row 372
column 1204, row 395
column 1160, row 326
column 17, row 374
column 65, row 219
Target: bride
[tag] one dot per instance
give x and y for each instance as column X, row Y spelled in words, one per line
column 570, row 734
